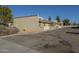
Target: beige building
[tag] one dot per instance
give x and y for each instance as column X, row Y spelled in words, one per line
column 32, row 23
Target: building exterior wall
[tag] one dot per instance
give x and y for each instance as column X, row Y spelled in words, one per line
column 47, row 27
column 32, row 24
column 56, row 26
column 28, row 24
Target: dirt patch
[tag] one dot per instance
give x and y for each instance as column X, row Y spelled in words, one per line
column 57, row 41
column 62, row 47
column 73, row 32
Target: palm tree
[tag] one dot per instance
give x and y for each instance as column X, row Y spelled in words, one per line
column 58, row 19
column 49, row 19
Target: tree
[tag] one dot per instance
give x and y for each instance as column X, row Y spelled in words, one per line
column 5, row 15
column 49, row 19
column 74, row 23
column 66, row 22
column 58, row 19
column 78, row 24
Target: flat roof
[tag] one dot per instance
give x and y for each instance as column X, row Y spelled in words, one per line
column 25, row 16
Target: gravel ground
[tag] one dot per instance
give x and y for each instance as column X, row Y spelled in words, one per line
column 54, row 41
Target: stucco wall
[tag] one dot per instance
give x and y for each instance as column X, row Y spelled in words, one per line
column 31, row 24
column 28, row 24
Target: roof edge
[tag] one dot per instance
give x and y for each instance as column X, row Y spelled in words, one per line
column 25, row 16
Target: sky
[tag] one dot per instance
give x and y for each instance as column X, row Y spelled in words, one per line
column 64, row 11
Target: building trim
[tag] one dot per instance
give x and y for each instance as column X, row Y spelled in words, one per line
column 25, row 16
